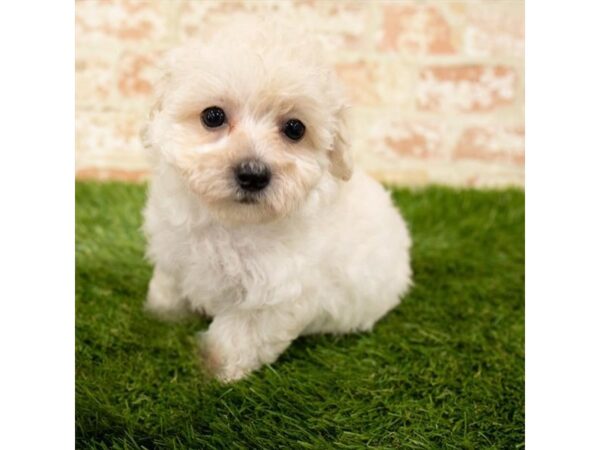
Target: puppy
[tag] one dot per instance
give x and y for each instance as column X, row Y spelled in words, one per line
column 255, row 216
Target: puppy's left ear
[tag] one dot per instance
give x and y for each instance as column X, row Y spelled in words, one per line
column 341, row 162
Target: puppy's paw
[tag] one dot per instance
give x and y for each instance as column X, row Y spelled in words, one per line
column 218, row 362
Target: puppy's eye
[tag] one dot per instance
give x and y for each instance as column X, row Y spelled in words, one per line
column 213, row 117
column 294, row 129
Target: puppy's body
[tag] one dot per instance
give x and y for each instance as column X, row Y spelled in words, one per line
column 344, row 257
column 315, row 251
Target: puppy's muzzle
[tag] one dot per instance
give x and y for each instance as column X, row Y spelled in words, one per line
column 252, row 175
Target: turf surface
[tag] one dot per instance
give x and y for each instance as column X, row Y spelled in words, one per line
column 443, row 370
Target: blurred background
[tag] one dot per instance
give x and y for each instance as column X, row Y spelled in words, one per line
column 437, row 87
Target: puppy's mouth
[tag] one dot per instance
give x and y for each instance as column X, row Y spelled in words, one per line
column 247, row 198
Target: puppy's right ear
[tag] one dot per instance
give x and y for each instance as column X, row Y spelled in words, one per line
column 159, row 91
column 145, row 132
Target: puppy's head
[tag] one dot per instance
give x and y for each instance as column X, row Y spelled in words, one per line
column 251, row 121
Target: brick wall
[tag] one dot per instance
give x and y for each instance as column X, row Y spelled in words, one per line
column 437, row 86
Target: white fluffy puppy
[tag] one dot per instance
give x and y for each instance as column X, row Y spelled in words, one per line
column 254, row 216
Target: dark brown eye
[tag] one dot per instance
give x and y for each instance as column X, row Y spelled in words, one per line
column 294, row 129
column 213, row 117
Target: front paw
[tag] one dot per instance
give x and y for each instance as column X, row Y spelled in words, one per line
column 219, row 362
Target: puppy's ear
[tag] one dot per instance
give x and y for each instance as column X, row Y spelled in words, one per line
column 159, row 91
column 340, row 157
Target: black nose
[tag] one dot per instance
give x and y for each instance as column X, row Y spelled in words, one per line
column 252, row 175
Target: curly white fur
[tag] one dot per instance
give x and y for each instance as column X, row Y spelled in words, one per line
column 321, row 250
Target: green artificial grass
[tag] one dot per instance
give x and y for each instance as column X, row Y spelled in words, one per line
column 445, row 369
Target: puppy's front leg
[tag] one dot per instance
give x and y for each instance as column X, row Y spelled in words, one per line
column 164, row 298
column 239, row 342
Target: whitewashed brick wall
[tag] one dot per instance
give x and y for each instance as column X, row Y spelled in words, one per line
column 437, row 86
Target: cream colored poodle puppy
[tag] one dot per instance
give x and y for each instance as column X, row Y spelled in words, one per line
column 255, row 216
